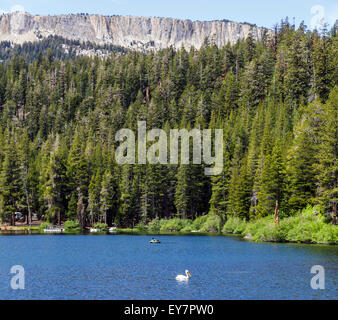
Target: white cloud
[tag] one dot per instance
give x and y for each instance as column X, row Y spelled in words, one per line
column 17, row 8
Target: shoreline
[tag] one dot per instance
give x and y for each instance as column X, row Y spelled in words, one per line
column 135, row 231
column 306, row 227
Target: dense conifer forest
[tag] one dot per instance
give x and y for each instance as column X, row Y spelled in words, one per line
column 54, row 46
column 275, row 99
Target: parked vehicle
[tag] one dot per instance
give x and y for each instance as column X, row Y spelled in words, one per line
column 19, row 217
column 53, row 229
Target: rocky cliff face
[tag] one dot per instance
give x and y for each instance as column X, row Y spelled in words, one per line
column 126, row 31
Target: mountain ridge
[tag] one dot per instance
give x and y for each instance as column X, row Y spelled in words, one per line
column 141, row 33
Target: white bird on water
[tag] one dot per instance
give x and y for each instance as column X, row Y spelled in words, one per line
column 181, row 277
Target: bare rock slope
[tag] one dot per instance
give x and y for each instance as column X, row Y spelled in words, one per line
column 131, row 32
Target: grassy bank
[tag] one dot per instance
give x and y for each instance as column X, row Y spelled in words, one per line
column 19, row 228
column 307, row 226
column 204, row 224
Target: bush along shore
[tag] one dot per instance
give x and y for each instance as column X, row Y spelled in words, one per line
column 307, row 226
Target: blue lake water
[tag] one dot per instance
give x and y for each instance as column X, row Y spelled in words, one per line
column 128, row 267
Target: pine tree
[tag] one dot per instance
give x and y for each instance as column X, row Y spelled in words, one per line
column 11, row 193
column 26, row 178
column 323, row 65
column 182, row 194
column 220, row 183
column 272, row 182
column 77, row 173
column 241, row 192
column 300, row 170
column 94, row 196
column 56, row 183
column 107, row 196
column 327, row 166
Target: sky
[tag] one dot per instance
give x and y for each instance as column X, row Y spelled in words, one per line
column 264, row 13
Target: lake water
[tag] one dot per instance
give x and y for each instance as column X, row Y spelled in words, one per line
column 128, row 267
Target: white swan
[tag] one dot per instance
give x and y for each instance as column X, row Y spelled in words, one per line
column 181, row 277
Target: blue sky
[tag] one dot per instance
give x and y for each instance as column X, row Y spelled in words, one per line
column 261, row 12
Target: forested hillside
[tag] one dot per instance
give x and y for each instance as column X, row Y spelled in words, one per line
column 275, row 99
column 56, row 47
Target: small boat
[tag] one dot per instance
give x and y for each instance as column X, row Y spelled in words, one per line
column 112, row 230
column 154, row 241
column 53, row 229
column 94, row 230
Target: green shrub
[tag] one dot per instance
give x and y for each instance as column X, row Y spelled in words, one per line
column 72, row 226
column 303, row 231
column 327, row 234
column 173, row 225
column 285, row 225
column 101, row 226
column 188, row 226
column 308, row 226
column 268, row 232
column 212, row 224
column 234, row 225
column 141, row 227
column 154, row 226
column 198, row 223
column 44, row 225
column 256, row 227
